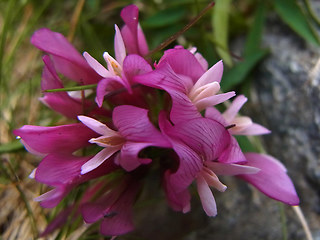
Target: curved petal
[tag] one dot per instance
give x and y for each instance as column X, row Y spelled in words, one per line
column 177, row 201
column 226, row 169
column 183, row 62
column 213, row 100
column 107, row 86
column 66, row 58
column 128, row 158
column 61, row 139
column 101, row 70
column 97, row 126
column 206, row 197
column 214, row 74
column 57, row 169
column 119, row 48
column 234, row 108
column 135, row 65
column 98, row 159
column 141, row 130
column 253, row 129
column 232, row 154
column 53, row 197
column 214, row 114
column 163, row 77
column 132, row 33
column 272, row 180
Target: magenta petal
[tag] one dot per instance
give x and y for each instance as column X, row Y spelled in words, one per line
column 61, row 139
column 107, row 86
column 232, row 154
column 165, row 78
column 140, row 130
column 52, row 198
column 66, row 58
column 226, row 169
column 128, row 158
column 177, row 201
column 213, row 113
column 183, row 62
column 206, row 197
column 253, row 129
column 234, row 108
column 272, row 180
column 135, row 65
column 56, row 169
column 132, row 34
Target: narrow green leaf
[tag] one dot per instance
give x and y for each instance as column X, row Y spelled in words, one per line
column 76, row 88
column 11, row 147
column 238, row 73
column 255, row 33
column 291, row 14
column 220, row 25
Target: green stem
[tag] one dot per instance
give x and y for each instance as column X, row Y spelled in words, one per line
column 76, row 88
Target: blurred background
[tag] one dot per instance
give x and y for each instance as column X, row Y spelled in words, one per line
column 271, row 54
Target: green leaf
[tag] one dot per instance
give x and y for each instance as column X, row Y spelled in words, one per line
column 76, row 88
column 220, row 24
column 291, row 14
column 11, row 147
column 255, row 33
column 164, row 18
column 238, row 73
column 245, row 144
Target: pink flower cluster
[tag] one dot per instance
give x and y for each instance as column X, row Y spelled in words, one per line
column 136, row 109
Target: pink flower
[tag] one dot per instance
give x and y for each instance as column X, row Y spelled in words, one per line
column 135, row 132
column 243, row 125
column 206, row 149
column 114, row 207
column 191, row 88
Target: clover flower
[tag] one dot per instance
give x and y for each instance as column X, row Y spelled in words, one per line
column 114, row 150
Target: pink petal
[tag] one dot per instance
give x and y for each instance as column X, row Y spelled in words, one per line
column 206, row 197
column 101, row 70
column 214, row 114
column 97, row 126
column 234, row 108
column 214, row 74
column 183, row 62
column 135, row 65
column 61, row 102
column 182, row 108
column 98, row 159
column 226, row 169
column 119, row 48
column 62, row 139
column 66, row 58
column 272, row 180
column 132, row 34
column 178, row 201
column 107, row 86
column 253, row 129
column 128, row 158
column 56, row 169
column 140, row 130
column 52, row 198
column 213, row 100
column 165, row 78
column 232, row 154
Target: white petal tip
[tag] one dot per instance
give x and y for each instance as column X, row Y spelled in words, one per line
column 33, row 174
